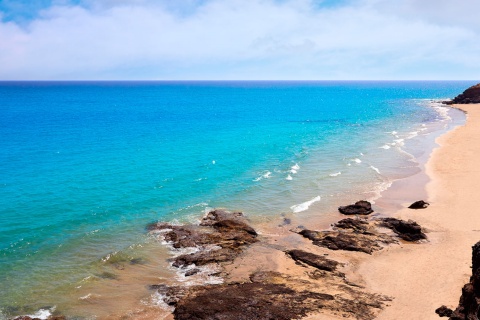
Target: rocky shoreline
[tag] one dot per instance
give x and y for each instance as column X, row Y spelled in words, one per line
column 322, row 286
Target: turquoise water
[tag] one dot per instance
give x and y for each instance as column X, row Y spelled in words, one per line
column 85, row 166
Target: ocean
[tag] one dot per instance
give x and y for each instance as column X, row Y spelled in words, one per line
column 85, row 166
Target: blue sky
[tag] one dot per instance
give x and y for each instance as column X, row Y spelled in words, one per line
column 235, row 40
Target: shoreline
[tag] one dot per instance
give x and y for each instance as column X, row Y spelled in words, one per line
column 416, row 278
column 423, row 277
column 396, row 274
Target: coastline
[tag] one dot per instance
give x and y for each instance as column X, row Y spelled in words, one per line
column 369, row 271
column 402, row 278
column 412, row 278
column 422, row 277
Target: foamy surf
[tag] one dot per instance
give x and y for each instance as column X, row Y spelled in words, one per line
column 43, row 314
column 335, row 174
column 294, row 169
column 385, row 146
column 375, row 169
column 305, row 205
column 266, row 175
column 289, row 177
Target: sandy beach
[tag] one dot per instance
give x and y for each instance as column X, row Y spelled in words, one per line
column 422, row 277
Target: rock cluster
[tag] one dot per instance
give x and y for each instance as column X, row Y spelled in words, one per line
column 267, row 294
column 471, row 95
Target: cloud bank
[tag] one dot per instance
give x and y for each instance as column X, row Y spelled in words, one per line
column 233, row 39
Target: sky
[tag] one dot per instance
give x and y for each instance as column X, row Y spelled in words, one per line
column 239, row 40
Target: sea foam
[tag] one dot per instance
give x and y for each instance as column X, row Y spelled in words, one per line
column 305, row 205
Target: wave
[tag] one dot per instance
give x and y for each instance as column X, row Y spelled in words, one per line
column 43, row 314
column 375, row 169
column 266, row 175
column 305, row 205
column 356, row 160
column 289, row 177
column 335, row 174
column 386, row 147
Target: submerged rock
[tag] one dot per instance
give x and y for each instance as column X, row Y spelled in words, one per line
column 406, row 230
column 469, row 305
column 360, row 207
column 419, row 205
column 471, row 95
column 313, row 260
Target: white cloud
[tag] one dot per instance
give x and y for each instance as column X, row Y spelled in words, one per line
column 233, row 39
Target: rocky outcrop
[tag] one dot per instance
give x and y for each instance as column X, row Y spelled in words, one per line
column 268, row 295
column 313, row 260
column 444, row 311
column 406, row 230
column 360, row 207
column 419, row 205
column 469, row 305
column 471, row 95
column 220, row 237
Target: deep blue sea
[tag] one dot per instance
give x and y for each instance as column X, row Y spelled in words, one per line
column 85, row 166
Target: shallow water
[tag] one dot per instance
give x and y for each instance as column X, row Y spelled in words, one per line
column 85, row 166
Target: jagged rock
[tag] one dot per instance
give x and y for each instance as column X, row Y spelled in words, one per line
column 360, row 207
column 419, row 205
column 471, row 95
column 356, row 225
column 444, row 311
column 220, row 237
column 470, row 300
column 313, row 260
column 406, row 230
column 349, row 241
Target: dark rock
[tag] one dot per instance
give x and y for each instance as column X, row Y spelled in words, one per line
column 248, row 301
column 406, row 230
column 192, row 272
column 471, row 95
column 219, row 215
column 347, row 241
column 470, row 300
column 269, row 295
column 419, row 205
column 313, row 260
column 360, row 207
column 221, row 237
column 205, row 257
column 443, row 311
column 356, row 225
